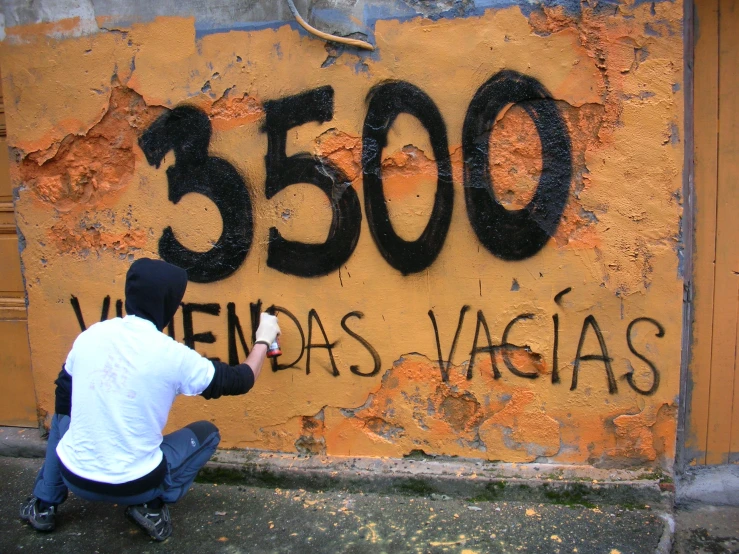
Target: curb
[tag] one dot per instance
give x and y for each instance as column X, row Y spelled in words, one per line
column 435, row 477
column 424, row 476
column 21, row 442
column 668, row 534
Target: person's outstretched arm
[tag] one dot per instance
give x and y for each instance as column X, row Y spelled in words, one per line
column 239, row 379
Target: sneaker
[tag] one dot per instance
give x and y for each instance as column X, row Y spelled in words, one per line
column 41, row 520
column 156, row 523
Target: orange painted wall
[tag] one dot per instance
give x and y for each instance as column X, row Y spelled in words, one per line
column 89, row 203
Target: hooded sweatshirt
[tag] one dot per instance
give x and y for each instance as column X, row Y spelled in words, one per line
column 126, row 375
column 154, row 290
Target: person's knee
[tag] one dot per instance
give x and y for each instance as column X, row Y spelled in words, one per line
column 203, row 430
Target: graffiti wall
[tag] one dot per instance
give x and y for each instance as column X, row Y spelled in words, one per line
column 471, row 235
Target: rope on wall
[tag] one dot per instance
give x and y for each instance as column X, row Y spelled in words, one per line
column 326, row 36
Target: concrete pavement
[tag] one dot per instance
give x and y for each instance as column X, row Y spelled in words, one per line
column 233, row 519
column 703, row 529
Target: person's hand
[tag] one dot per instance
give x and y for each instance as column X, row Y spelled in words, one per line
column 268, row 329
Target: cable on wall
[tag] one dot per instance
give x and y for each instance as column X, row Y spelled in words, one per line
column 326, row 36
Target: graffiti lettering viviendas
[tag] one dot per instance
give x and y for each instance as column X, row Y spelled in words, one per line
column 318, row 333
column 508, row 234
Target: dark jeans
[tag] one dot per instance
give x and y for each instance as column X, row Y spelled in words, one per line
column 186, row 451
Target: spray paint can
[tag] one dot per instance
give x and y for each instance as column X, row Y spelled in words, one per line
column 274, row 350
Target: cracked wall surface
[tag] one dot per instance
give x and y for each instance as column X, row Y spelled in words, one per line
column 486, row 348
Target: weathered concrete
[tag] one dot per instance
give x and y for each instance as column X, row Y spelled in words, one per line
column 717, row 485
column 231, row 519
column 341, row 17
column 21, row 442
column 432, row 476
column 457, row 478
column 706, row 530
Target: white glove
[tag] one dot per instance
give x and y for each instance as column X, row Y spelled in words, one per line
column 268, row 329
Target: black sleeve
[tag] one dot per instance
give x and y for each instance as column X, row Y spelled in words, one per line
column 229, row 380
column 63, row 404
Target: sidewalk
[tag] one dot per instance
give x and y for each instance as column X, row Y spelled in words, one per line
column 232, row 519
column 707, row 529
column 252, row 502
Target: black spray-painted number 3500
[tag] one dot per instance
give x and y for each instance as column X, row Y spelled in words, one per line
column 507, row 234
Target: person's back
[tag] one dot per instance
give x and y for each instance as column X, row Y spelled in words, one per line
column 105, row 442
column 127, row 375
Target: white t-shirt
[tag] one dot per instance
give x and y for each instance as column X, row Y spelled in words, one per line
column 125, row 376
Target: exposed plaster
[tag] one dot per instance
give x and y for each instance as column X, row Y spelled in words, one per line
column 86, row 192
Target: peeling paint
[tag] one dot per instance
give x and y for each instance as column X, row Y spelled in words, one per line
column 73, row 240
column 232, row 111
column 81, row 170
column 494, row 381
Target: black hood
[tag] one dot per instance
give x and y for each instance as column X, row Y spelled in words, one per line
column 154, row 290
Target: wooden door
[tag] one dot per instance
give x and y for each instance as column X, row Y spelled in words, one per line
column 17, row 397
column 713, row 420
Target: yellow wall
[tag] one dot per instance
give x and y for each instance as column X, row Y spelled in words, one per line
column 17, row 399
column 712, row 435
column 89, row 203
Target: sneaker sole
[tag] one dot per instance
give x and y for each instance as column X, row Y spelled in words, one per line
column 44, row 527
column 146, row 525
